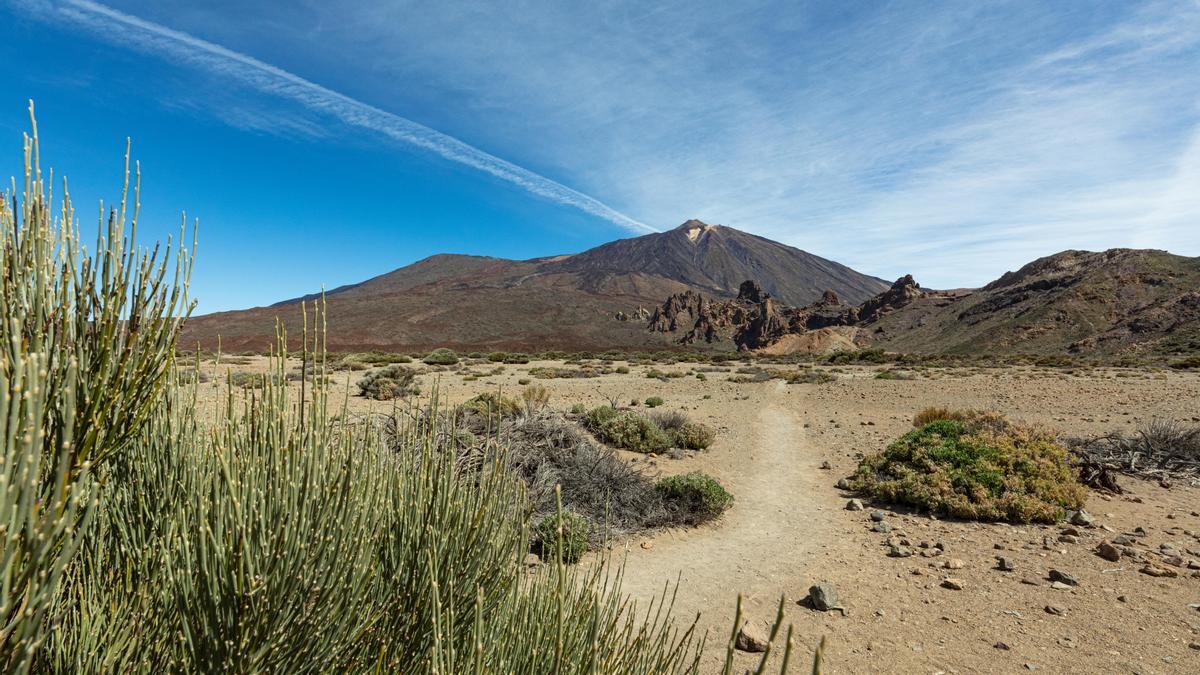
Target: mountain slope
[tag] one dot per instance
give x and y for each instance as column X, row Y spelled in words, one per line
column 563, row 302
column 1120, row 301
column 716, row 259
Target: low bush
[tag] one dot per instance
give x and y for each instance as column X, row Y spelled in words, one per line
column 1189, row 363
column 563, row 536
column 622, row 370
column 808, row 376
column 683, row 432
column 485, row 410
column 934, row 414
column 627, row 430
column 535, row 398
column 385, row 384
column 441, row 357
column 654, row 401
column 693, row 498
column 979, row 466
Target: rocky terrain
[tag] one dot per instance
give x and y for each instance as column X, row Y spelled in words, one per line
column 756, row 321
column 1113, row 304
column 563, row 302
column 1121, row 302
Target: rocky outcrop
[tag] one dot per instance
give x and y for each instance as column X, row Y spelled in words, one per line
column 755, row 320
column 902, row 292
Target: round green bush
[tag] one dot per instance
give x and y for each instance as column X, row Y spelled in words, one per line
column 571, row 543
column 630, row 431
column 978, row 466
column 441, row 357
column 654, row 401
column 693, row 498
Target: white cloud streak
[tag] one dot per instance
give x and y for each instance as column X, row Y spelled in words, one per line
column 127, row 30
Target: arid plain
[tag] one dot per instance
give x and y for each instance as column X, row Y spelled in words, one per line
column 780, row 450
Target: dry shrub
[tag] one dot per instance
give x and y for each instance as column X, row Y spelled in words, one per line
column 394, row 381
column 978, row 466
column 683, row 432
column 934, row 414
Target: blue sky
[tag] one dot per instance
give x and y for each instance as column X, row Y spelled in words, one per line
column 320, row 143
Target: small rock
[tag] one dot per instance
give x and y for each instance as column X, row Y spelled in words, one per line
column 900, row 552
column 1108, row 551
column 1194, row 645
column 1122, row 598
column 843, row 484
column 1174, row 561
column 954, row 564
column 1059, row 586
column 1068, row 539
column 1030, row 582
column 881, row 527
column 854, row 505
column 878, row 516
column 823, row 597
column 751, row 638
column 1056, row 610
column 952, row 583
column 1004, row 564
column 647, row 545
column 1064, row 577
column 1082, row 519
column 1001, row 645
column 532, row 560
column 826, row 465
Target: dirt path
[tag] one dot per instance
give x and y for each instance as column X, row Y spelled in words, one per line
column 763, row 544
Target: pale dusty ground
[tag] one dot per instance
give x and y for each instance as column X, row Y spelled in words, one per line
column 788, row 528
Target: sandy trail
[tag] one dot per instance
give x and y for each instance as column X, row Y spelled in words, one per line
column 762, row 545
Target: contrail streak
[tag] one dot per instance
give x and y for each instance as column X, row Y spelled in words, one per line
column 123, row 29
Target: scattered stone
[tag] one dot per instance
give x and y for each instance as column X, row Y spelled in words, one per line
column 954, row 564
column 1031, row 582
column 1068, row 539
column 1060, row 586
column 824, row 597
column 1122, row 598
column 900, row 552
column 1004, row 564
column 1001, row 645
column 1108, row 551
column 647, row 545
column 1056, row 610
column 1081, row 518
column 1063, row 577
column 854, row 505
column 1174, row 561
column 1150, row 569
column 878, row 516
column 1194, row 645
column 1070, row 531
column 843, row 484
column 751, row 638
column 826, row 465
column 952, row 583
column 881, row 527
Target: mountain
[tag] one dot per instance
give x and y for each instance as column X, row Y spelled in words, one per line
column 562, row 302
column 1116, row 302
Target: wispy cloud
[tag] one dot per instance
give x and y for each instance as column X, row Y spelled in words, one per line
column 128, row 30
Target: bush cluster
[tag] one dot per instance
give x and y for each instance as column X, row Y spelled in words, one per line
column 977, row 466
column 441, row 357
column 563, row 536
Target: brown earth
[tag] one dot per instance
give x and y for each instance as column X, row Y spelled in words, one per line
column 789, row 529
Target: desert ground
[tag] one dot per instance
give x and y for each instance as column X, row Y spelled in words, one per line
column 781, row 449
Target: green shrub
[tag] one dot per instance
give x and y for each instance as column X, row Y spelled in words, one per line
column 497, row 357
column 567, row 543
column 490, row 407
column 980, row 467
column 654, row 401
column 516, row 358
column 391, row 382
column 683, row 432
column 1189, row 363
column 622, row 370
column 441, row 357
column 627, row 430
column 694, row 497
column 579, row 409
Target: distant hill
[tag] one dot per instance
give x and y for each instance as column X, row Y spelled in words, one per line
column 564, row 302
column 1116, row 302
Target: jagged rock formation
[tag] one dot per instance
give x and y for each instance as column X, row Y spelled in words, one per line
column 755, row 320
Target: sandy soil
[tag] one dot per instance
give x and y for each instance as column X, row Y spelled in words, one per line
column 789, row 529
